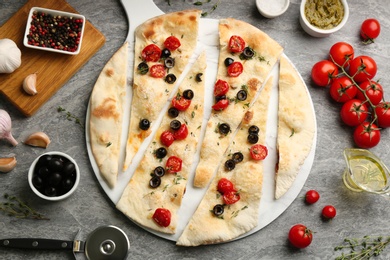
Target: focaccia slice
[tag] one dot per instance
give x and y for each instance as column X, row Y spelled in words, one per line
column 150, row 94
column 106, row 115
column 296, row 127
column 139, row 200
column 256, row 68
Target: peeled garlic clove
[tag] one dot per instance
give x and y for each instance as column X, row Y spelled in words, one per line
column 30, row 83
column 7, row 164
column 38, row 139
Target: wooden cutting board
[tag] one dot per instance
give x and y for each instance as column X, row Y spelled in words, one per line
column 53, row 69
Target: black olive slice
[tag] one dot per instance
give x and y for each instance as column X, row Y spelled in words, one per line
column 173, row 112
column 159, row 171
column 143, row 68
column 144, row 124
column 169, row 62
column 224, row 128
column 253, row 138
column 175, row 124
column 242, row 95
column 154, row 182
column 218, row 210
column 198, row 77
column 228, row 62
column 253, row 129
column 161, row 152
column 247, row 53
column 238, row 157
column 218, row 98
column 188, row 94
column 170, row 79
column 230, row 164
column 165, row 53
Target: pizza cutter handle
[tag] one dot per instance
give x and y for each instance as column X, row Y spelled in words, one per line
column 38, row 243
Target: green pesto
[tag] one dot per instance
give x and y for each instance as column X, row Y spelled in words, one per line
column 324, row 14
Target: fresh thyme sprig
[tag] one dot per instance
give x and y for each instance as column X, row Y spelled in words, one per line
column 70, row 116
column 14, row 207
column 363, row 248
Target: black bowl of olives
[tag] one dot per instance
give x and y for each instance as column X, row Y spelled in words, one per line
column 54, row 176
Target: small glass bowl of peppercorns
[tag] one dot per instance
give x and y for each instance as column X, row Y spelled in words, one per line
column 54, row 176
column 55, row 31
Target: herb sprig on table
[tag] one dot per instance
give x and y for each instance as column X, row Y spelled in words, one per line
column 363, row 248
column 70, row 116
column 14, row 207
column 200, row 3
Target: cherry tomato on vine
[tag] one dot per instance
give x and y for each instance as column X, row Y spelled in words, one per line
column 329, row 212
column 366, row 135
column 382, row 111
column 341, row 53
column 323, row 73
column 312, row 196
column 162, row 217
column 354, row 112
column 342, row 89
column 370, row 30
column 373, row 90
column 300, row 236
column 362, row 68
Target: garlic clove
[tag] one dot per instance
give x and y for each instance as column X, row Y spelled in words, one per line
column 7, row 164
column 38, row 139
column 30, row 84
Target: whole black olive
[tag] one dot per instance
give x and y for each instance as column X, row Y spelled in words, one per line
column 165, row 53
column 169, row 62
column 173, row 112
column 161, row 152
column 175, row 124
column 224, row 128
column 238, row 157
column 43, row 172
column 230, row 164
column 159, row 171
column 69, row 168
column 188, row 94
column 143, row 68
column 228, row 62
column 67, row 184
column 170, row 79
column 55, row 164
column 253, row 129
column 37, row 182
column 144, row 124
column 55, row 178
column 198, row 77
column 154, row 182
column 51, row 191
column 218, row 210
column 242, row 95
column 253, row 138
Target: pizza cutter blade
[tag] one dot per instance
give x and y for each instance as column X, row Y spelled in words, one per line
column 104, row 243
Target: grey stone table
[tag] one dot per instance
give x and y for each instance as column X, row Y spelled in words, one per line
column 358, row 214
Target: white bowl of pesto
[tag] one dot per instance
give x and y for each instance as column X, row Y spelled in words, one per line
column 320, row 18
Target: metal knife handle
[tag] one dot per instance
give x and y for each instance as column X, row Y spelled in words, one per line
column 37, row 243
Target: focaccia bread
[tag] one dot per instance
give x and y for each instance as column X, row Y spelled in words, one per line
column 106, row 115
column 296, row 127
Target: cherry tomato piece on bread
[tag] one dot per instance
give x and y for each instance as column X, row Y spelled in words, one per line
column 162, row 217
column 181, row 103
column 151, row 53
column 235, row 69
column 221, row 88
column 172, row 43
column 225, row 185
column 167, row 138
column 258, row 152
column 181, row 133
column 173, row 164
column 221, row 105
column 231, row 197
column 236, row 44
column 157, row 71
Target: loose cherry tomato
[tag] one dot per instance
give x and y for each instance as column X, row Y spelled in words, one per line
column 370, row 30
column 323, row 73
column 231, row 197
column 225, row 185
column 342, row 89
column 382, row 111
column 181, row 103
column 312, row 196
column 300, row 236
column 172, row 43
column 151, row 53
column 366, row 135
column 235, row 69
column 341, row 53
column 167, row 138
column 221, row 88
column 354, row 112
column 157, row 71
column 162, row 217
column 258, row 152
column 236, row 44
column 173, row 164
column 362, row 68
column 329, row 212
column 221, row 105
column 182, row 133
column 373, row 90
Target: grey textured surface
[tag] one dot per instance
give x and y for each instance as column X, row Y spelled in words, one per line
column 88, row 208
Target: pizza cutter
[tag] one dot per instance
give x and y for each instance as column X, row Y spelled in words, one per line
column 104, row 243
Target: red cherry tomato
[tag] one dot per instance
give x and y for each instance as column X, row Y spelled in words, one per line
column 342, row 89
column 362, row 68
column 370, row 30
column 167, row 138
column 323, row 73
column 329, row 212
column 157, row 71
column 235, row 69
column 354, row 112
column 225, row 185
column 231, row 197
column 341, row 53
column 172, row 43
column 151, row 53
column 366, row 135
column 300, row 236
column 382, row 111
column 181, row 103
column 221, row 88
column 181, row 133
column 162, row 217
column 173, row 164
column 312, row 196
column 373, row 90
column 258, row 152
column 221, row 105
column 236, row 44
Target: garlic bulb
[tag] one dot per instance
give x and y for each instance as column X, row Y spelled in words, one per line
column 10, row 56
column 5, row 127
column 30, row 83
